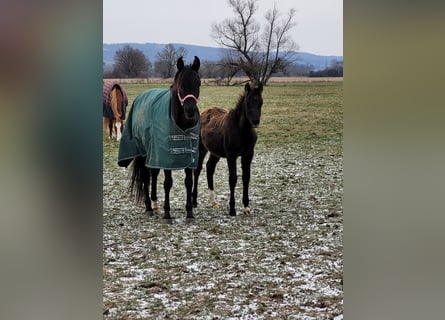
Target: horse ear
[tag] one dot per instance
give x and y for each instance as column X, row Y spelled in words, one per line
column 247, row 87
column 196, row 64
column 180, row 64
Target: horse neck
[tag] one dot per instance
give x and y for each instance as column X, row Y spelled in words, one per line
column 239, row 114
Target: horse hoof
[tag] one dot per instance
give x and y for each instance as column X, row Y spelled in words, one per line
column 167, row 216
column 232, row 213
column 215, row 205
column 167, row 221
column 246, row 210
column 190, row 215
column 156, row 208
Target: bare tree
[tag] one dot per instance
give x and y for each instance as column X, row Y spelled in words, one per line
column 259, row 55
column 130, row 63
column 165, row 65
column 227, row 68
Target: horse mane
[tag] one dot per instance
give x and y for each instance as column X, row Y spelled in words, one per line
column 241, row 99
column 177, row 82
column 218, row 117
column 239, row 105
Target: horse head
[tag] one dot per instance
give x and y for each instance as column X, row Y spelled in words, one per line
column 186, row 87
column 253, row 102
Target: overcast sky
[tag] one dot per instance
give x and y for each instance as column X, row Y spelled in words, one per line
column 319, row 27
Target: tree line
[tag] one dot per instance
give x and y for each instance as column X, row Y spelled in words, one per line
column 253, row 50
column 130, row 62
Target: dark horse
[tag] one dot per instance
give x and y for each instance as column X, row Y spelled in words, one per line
column 230, row 134
column 162, row 132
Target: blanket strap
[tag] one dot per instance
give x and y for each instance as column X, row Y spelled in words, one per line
column 181, row 150
column 182, row 137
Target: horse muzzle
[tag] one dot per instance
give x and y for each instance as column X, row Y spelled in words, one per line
column 189, row 116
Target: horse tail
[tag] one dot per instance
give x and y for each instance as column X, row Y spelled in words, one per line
column 116, row 102
column 139, row 179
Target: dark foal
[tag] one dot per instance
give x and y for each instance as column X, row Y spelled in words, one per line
column 230, row 134
column 184, row 112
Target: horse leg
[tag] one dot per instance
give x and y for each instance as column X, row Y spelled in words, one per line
column 105, row 125
column 197, row 172
column 112, row 128
column 231, row 162
column 210, row 167
column 108, row 126
column 154, row 189
column 188, row 186
column 168, row 183
column 146, row 185
column 118, row 127
column 246, row 160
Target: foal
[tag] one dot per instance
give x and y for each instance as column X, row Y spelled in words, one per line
column 230, row 134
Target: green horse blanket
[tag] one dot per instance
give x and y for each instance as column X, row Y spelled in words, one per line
column 151, row 132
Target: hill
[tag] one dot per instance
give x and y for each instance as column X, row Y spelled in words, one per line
column 206, row 53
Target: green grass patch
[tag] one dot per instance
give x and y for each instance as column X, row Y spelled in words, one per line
column 302, row 113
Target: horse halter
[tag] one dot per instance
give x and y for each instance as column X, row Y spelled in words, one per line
column 182, row 100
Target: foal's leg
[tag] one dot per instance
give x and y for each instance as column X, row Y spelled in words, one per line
column 154, row 191
column 246, row 160
column 168, row 183
column 188, row 186
column 231, row 162
column 210, row 167
column 197, row 172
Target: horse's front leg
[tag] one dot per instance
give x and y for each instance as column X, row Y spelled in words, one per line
column 188, row 186
column 197, row 172
column 154, row 191
column 168, row 183
column 211, row 166
column 231, row 162
column 246, row 161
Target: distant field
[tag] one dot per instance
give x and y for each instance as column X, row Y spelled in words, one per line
column 235, row 80
column 284, row 261
column 296, row 111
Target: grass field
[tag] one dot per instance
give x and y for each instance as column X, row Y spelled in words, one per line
column 283, row 261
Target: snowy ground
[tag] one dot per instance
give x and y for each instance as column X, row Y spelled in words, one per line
column 284, row 261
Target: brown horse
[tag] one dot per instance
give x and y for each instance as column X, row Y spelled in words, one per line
column 230, row 134
column 114, row 108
